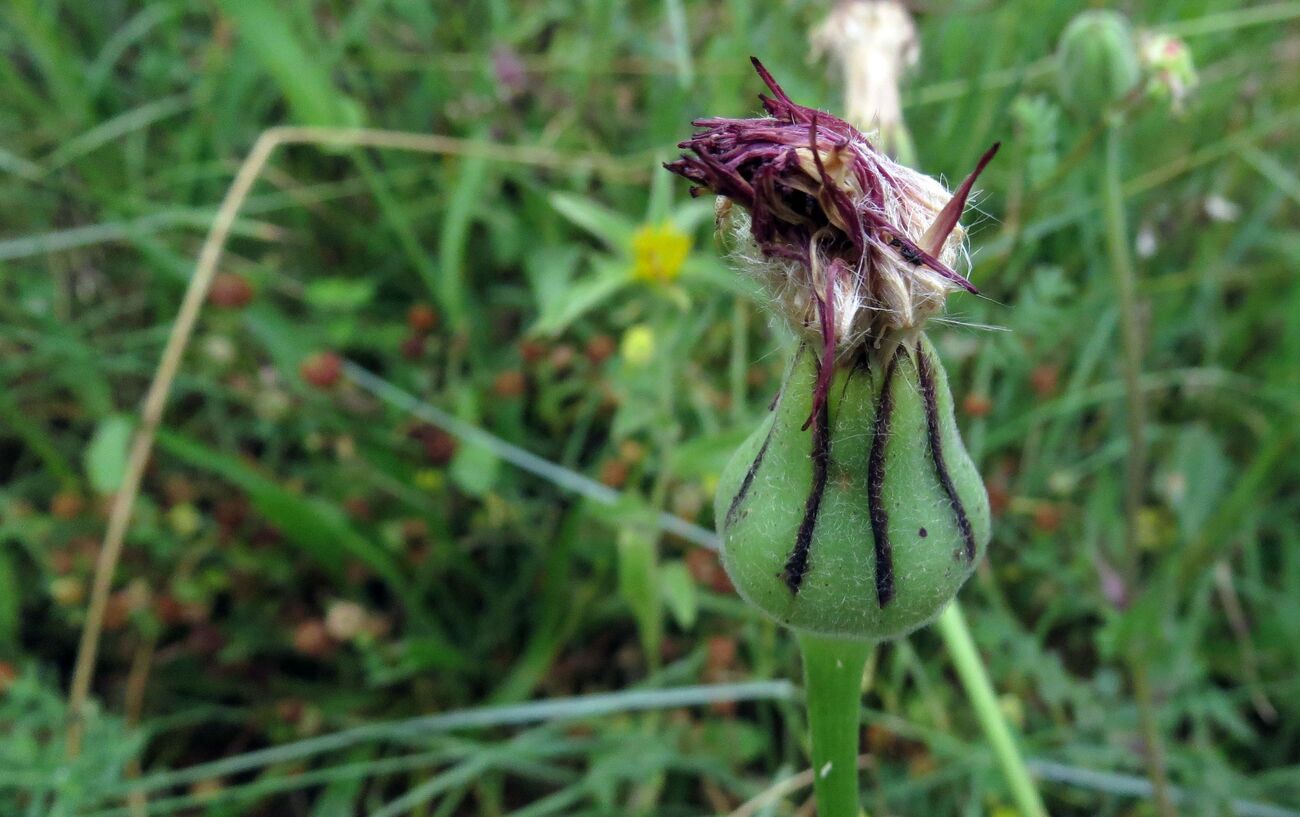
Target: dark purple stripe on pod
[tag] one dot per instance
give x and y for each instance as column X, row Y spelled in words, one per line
column 876, row 485
column 796, row 567
column 926, row 378
column 734, row 507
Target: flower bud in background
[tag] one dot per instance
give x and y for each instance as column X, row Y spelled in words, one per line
column 876, row 42
column 853, row 510
column 638, row 345
column 1167, row 63
column 1097, row 63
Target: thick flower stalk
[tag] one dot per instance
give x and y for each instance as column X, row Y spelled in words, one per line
column 853, row 511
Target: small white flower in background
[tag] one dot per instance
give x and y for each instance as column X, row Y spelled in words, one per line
column 345, row 620
column 1219, row 208
column 220, row 349
column 1146, row 244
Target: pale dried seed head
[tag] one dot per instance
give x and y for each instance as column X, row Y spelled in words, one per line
column 875, row 42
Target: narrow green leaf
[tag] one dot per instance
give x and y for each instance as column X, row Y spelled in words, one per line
column 105, row 457
column 468, row 192
column 610, row 227
column 8, row 602
column 304, row 81
column 637, row 583
column 583, row 296
column 679, row 593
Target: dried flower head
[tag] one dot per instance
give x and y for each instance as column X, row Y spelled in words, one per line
column 858, row 250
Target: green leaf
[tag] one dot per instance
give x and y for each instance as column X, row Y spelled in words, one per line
column 414, row 657
column 737, row 741
column 105, row 457
column 550, row 273
column 689, row 215
column 707, row 271
column 8, row 602
column 637, row 569
column 341, row 294
column 661, row 194
column 610, row 227
column 475, row 469
column 706, row 455
column 1197, row 478
column 468, row 192
column 583, row 296
column 679, row 593
column 304, row 81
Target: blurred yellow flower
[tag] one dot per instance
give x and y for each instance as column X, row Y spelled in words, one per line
column 658, row 251
column 184, row 519
column 427, row 479
column 638, row 345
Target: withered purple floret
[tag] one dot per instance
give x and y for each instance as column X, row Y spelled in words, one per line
column 831, row 220
column 754, row 163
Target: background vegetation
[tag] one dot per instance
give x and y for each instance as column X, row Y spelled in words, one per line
column 313, row 568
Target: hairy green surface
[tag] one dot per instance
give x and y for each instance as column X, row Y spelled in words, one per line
column 838, row 594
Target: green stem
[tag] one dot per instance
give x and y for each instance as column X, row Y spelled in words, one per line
column 1125, row 289
column 979, row 689
column 1121, row 264
column 832, row 670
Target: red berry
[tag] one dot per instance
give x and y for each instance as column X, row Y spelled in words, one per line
column 509, row 384
column 614, row 473
column 977, row 405
column 413, row 347
column 230, row 290
column 322, row 369
column 600, row 348
column 1043, row 379
column 422, row 319
column 67, row 505
column 439, row 446
column 532, row 350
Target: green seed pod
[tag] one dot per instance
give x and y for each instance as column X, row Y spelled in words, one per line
column 870, row 536
column 854, row 511
column 1097, row 63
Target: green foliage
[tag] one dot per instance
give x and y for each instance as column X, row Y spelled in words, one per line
column 35, row 777
column 304, row 560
